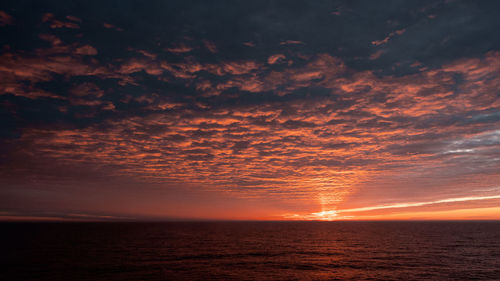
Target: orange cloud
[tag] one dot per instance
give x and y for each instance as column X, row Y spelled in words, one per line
column 291, row 42
column 180, row 49
column 320, row 132
column 275, row 58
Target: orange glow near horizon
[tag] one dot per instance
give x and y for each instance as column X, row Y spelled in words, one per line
column 455, row 212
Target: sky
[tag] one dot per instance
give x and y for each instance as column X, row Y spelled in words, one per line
column 249, row 110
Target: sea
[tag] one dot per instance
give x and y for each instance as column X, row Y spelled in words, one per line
column 346, row 250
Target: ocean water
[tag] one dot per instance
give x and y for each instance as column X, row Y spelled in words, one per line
column 251, row 251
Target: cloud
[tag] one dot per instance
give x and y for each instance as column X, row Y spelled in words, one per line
column 136, row 65
column 327, row 126
column 5, row 19
column 147, row 54
column 319, row 124
column 237, row 68
column 275, row 58
column 180, row 49
column 86, row 50
column 73, row 18
column 249, row 44
column 291, row 42
column 87, row 89
column 389, row 37
column 111, row 26
column 418, row 204
column 210, row 46
column 339, row 214
column 54, row 23
column 377, row 54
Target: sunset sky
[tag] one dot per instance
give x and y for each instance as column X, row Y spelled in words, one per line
column 251, row 110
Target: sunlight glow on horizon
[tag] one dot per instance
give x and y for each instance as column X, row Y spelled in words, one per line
column 336, row 214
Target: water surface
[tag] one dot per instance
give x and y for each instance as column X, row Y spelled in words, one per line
column 251, row 251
